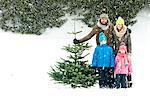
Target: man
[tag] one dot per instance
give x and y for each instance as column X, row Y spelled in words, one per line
column 103, row 25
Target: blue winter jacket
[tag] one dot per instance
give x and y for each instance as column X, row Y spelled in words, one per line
column 103, row 56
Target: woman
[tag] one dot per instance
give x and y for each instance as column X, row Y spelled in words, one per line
column 122, row 34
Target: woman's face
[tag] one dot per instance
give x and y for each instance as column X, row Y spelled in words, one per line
column 119, row 26
column 104, row 21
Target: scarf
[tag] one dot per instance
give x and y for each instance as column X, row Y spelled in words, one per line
column 103, row 27
column 121, row 33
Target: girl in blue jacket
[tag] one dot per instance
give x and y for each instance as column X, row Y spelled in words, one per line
column 103, row 59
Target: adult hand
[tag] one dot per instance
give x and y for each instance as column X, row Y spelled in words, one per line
column 75, row 41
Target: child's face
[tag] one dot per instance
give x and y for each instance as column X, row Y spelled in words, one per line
column 122, row 51
column 103, row 42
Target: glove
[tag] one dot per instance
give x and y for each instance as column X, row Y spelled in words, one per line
column 129, row 30
column 75, row 41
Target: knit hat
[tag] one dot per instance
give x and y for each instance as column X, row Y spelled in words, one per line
column 120, row 21
column 104, row 15
column 102, row 37
column 123, row 47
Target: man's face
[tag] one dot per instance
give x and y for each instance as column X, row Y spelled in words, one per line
column 104, row 21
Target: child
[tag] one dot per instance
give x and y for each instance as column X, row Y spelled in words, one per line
column 123, row 66
column 103, row 59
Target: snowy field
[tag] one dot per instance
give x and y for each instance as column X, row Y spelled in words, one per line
column 26, row 59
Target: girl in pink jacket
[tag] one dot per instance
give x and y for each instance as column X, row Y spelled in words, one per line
column 123, row 67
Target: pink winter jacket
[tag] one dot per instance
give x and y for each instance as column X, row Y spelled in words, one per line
column 123, row 64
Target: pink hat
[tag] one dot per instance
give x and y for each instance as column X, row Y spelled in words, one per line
column 123, row 47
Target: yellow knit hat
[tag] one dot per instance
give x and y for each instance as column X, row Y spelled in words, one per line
column 120, row 21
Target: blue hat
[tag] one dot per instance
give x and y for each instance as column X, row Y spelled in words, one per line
column 102, row 37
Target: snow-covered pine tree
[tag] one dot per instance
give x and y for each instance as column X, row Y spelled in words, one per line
column 91, row 9
column 34, row 16
column 30, row 16
column 75, row 70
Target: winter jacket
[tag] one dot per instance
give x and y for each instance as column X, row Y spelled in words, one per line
column 126, row 39
column 122, row 66
column 103, row 56
column 96, row 30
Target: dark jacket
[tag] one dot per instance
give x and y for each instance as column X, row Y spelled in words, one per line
column 96, row 30
column 126, row 38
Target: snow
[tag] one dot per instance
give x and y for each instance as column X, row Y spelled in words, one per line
column 26, row 59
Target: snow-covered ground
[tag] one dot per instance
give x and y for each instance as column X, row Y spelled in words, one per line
column 26, row 59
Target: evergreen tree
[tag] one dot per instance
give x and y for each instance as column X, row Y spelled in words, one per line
column 34, row 16
column 74, row 70
column 91, row 9
column 30, row 16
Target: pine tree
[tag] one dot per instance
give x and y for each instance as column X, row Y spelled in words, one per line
column 35, row 16
column 75, row 70
column 30, row 16
column 89, row 10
